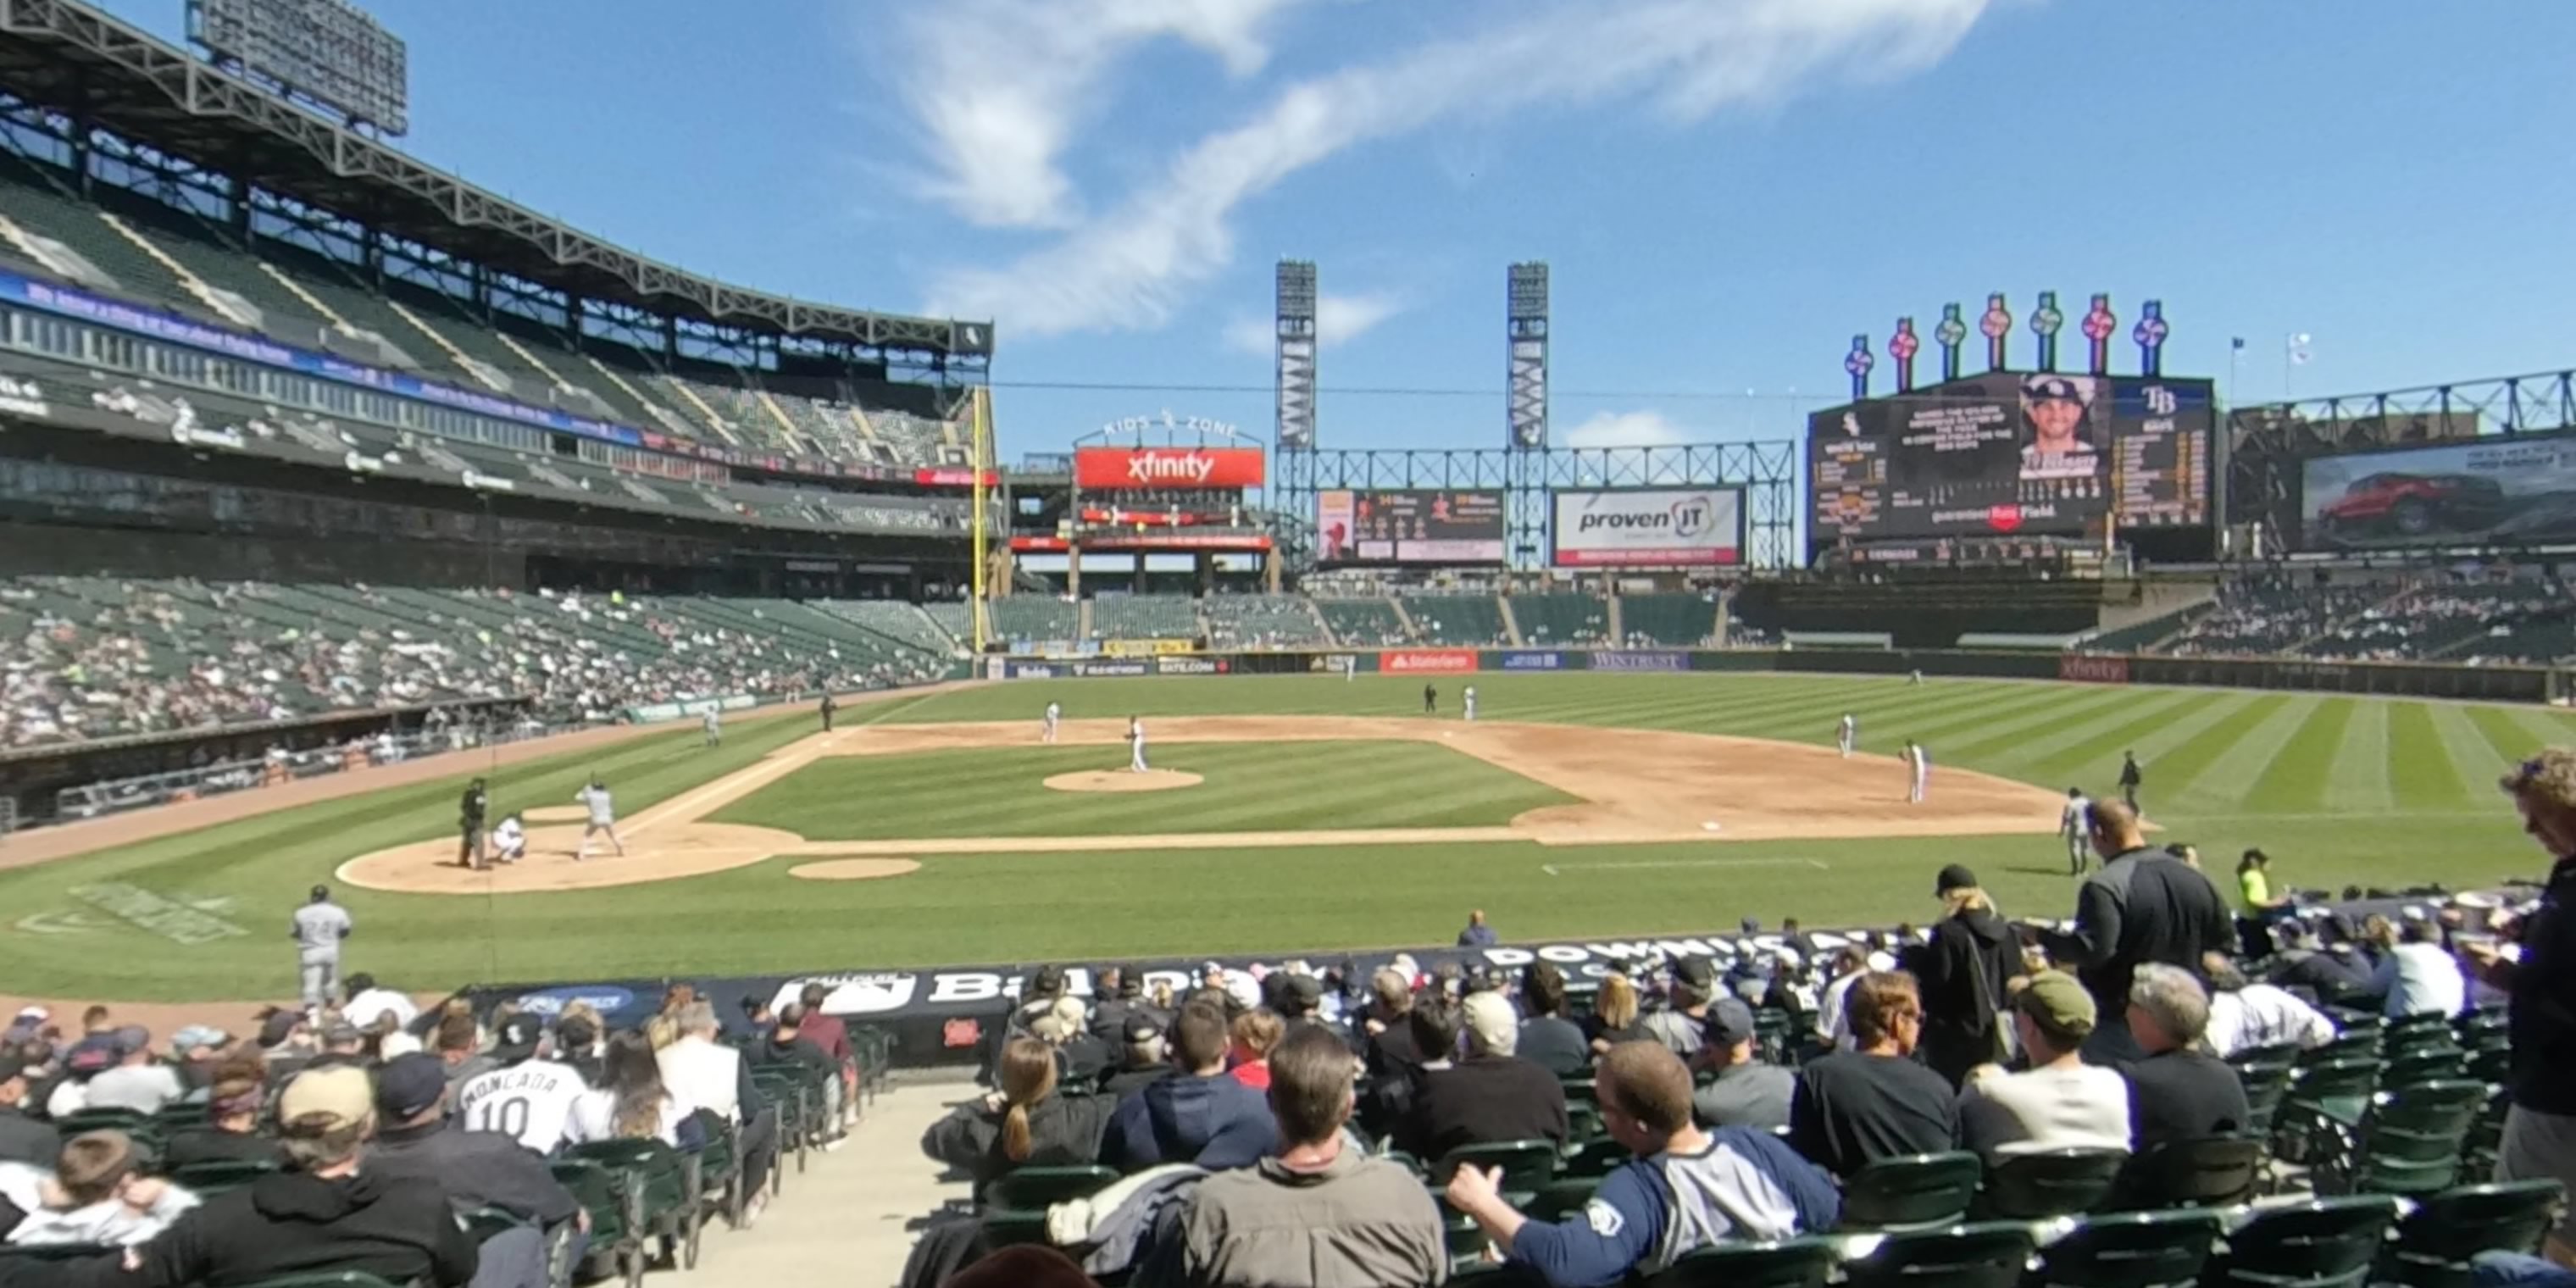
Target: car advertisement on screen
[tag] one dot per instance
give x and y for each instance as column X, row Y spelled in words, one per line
column 2499, row 490
column 1648, row 527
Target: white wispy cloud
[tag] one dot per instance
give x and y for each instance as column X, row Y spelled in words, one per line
column 1128, row 266
column 1339, row 319
column 1001, row 87
column 1647, row 428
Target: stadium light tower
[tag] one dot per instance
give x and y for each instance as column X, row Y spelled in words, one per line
column 1294, row 291
column 1525, row 412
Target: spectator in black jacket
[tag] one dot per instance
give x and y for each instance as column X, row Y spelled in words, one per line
column 1487, row 1096
column 230, row 1133
column 2175, row 1092
column 476, row 1169
column 1144, row 1059
column 787, row 1044
column 2540, row 1127
column 1963, row 970
column 1873, row 1101
column 322, row 1214
column 1548, row 1039
column 1025, row 1123
column 2143, row 906
column 22, row 1139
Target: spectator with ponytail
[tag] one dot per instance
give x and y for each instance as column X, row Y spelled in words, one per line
column 1024, row 1124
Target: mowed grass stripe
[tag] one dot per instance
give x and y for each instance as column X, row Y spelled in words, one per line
column 2506, row 736
column 2357, row 778
column 2420, row 772
column 2295, row 782
column 2177, row 772
column 2091, row 749
column 2000, row 744
column 2006, row 717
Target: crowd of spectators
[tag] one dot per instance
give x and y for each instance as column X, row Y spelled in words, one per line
column 360, row 1134
column 2271, row 613
column 92, row 658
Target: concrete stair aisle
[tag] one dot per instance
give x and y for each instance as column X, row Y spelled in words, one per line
column 1411, row 631
column 204, row 291
column 1511, row 624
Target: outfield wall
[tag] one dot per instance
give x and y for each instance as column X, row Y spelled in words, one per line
column 2395, row 679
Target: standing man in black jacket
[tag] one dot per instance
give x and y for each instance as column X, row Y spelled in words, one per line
column 22, row 1139
column 476, row 1169
column 2143, row 906
column 2540, row 1129
column 1963, row 969
column 322, row 1214
column 2130, row 779
column 469, row 816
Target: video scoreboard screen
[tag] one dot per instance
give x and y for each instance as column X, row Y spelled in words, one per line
column 2006, row 453
column 1410, row 526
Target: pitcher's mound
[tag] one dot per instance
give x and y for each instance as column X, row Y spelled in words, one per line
column 854, row 869
column 1122, row 780
column 557, row 814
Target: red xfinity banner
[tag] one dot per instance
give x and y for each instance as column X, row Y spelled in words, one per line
column 2092, row 669
column 1108, row 468
column 1427, row 661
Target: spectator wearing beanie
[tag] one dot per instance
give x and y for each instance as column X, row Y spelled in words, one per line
column 2059, row 1102
column 1144, row 1058
column 1963, row 969
column 1747, row 1091
column 230, row 1133
column 1873, row 1101
column 1487, row 1096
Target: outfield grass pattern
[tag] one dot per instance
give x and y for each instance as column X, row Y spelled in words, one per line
column 2340, row 790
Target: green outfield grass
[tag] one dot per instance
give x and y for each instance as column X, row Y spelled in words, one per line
column 1249, row 787
column 2340, row 790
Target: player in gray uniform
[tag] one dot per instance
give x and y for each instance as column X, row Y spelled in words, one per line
column 714, row 725
column 317, row 929
column 603, row 816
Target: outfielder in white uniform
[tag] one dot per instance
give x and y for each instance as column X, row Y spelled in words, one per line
column 1920, row 762
column 1054, row 712
column 2074, row 825
column 510, row 840
column 1136, row 745
column 603, row 818
column 1847, row 736
column 1470, row 697
column 714, row 726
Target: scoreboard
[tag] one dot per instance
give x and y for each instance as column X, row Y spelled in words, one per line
column 2004, row 453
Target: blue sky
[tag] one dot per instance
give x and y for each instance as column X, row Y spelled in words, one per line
column 1726, row 190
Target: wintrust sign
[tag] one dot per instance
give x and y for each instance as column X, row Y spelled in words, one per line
column 1109, row 469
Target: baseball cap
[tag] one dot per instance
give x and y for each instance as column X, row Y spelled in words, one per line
column 409, row 1084
column 518, row 1038
column 1141, row 1027
column 1299, row 994
column 278, row 1027
column 34, row 1014
column 1493, row 1027
column 2038, row 387
column 1729, row 1021
column 341, row 1033
column 1956, row 876
column 335, row 1098
column 2058, row 1003
column 1699, row 973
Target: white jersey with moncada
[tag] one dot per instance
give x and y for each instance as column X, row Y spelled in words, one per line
column 530, row 1102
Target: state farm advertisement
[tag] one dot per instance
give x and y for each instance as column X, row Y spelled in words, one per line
column 1648, row 527
column 1427, row 661
column 1109, row 469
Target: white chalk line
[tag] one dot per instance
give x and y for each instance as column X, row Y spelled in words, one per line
column 1553, row 869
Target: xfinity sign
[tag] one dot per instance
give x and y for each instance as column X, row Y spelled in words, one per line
column 1648, row 527
column 1131, row 468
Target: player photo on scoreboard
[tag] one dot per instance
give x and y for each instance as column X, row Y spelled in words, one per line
column 2060, row 436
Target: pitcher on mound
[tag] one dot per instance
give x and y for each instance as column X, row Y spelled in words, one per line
column 1135, row 745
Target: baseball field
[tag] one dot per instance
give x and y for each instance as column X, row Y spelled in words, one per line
column 1283, row 813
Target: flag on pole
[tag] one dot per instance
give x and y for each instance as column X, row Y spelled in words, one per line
column 2237, row 342
column 2298, row 349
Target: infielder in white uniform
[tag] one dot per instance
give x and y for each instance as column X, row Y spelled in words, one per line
column 1470, row 697
column 1136, row 745
column 603, row 818
column 1054, row 712
column 714, row 725
column 1848, row 735
column 1919, row 762
column 2074, row 824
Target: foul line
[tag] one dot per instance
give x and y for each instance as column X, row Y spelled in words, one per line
column 1551, row 869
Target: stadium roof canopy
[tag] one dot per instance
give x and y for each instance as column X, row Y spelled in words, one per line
column 70, row 58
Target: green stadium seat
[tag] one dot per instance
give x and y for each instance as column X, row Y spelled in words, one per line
column 2322, row 1243
column 2130, row 1250
column 2050, row 1183
column 2412, row 1141
column 2436, row 1240
column 1911, row 1191
column 2214, row 1171
column 1790, row 1263
column 1990, row 1255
